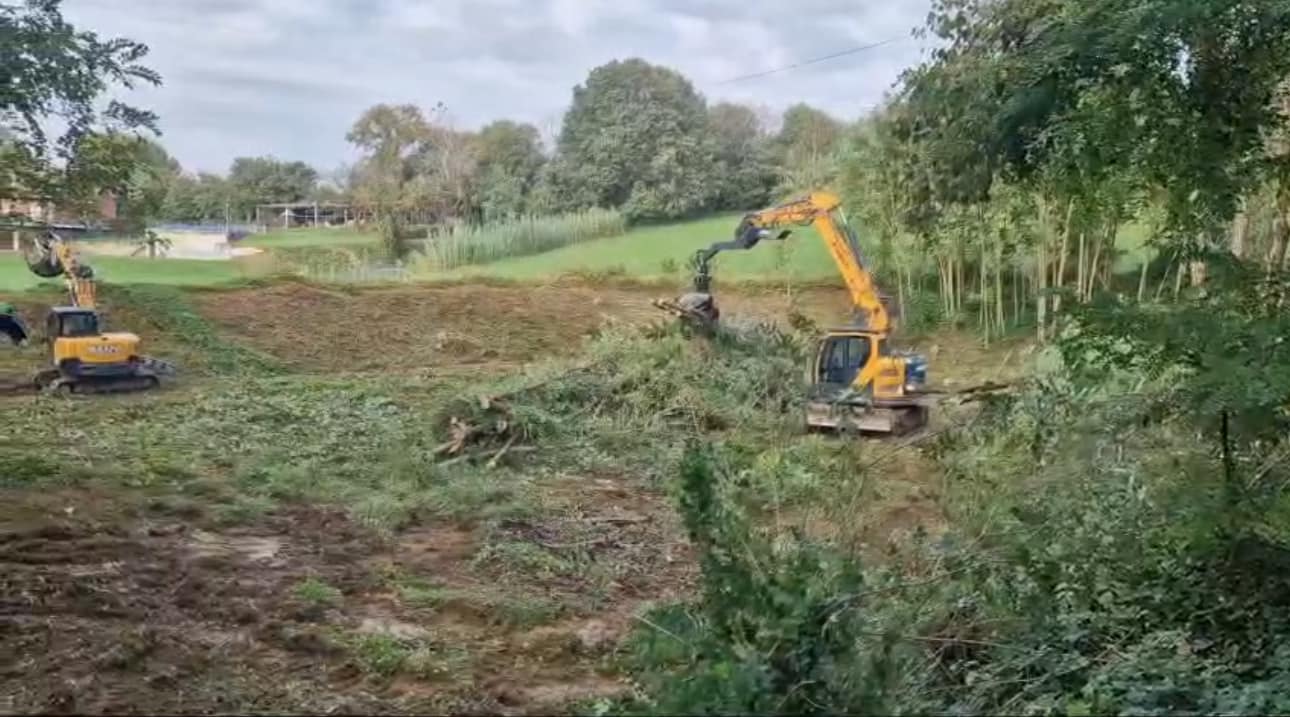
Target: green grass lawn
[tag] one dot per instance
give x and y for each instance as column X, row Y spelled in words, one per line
column 646, row 252
column 660, row 251
column 310, row 236
column 664, row 250
column 14, row 275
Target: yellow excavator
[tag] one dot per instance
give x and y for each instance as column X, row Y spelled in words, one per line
column 858, row 381
column 84, row 358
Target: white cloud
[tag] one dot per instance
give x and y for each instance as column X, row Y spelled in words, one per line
column 288, row 77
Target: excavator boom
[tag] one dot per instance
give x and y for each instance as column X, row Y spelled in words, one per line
column 823, row 211
column 858, row 382
column 50, row 257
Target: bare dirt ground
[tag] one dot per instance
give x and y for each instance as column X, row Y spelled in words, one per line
column 109, row 603
column 116, row 599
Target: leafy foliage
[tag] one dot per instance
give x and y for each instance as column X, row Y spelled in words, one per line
column 778, row 621
column 52, row 71
column 510, row 158
column 635, row 138
column 746, row 170
column 261, row 180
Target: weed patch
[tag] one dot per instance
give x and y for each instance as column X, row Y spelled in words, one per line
column 316, row 593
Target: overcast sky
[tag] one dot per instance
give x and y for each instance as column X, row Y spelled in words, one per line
column 288, row 77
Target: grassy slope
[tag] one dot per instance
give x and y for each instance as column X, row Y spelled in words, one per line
column 325, row 237
column 645, row 251
column 642, row 252
column 14, row 275
column 653, row 251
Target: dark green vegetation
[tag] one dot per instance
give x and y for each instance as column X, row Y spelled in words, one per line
column 1117, row 543
column 1117, row 537
column 52, row 70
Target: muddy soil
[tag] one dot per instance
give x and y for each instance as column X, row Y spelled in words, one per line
column 111, row 605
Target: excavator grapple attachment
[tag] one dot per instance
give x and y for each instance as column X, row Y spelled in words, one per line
column 696, row 309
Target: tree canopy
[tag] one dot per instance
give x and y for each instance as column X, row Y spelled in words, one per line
column 54, row 75
column 635, row 137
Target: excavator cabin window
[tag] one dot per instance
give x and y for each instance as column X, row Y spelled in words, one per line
column 842, row 358
column 72, row 324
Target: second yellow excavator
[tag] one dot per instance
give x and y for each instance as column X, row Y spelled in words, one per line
column 85, row 359
column 858, row 381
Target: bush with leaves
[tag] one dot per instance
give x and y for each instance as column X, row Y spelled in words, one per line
column 783, row 625
column 1138, row 539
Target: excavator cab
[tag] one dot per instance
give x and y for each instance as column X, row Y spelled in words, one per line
column 841, row 358
column 71, row 322
column 860, row 384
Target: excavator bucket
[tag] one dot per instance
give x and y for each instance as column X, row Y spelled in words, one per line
column 41, row 259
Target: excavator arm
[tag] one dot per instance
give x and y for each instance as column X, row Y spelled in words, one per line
column 821, row 210
column 50, row 257
column 858, row 382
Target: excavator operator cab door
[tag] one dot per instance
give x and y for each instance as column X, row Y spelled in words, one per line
column 71, row 323
column 840, row 360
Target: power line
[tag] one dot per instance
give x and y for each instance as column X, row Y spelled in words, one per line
column 812, row 61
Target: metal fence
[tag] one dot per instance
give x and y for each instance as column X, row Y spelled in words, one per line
column 220, row 228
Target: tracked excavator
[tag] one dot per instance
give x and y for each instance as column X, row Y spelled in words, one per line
column 858, row 382
column 84, row 358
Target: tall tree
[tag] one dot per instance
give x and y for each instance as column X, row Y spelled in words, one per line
column 446, row 167
column 201, row 198
column 510, row 157
column 1180, row 90
column 745, row 173
column 807, row 140
column 636, row 137
column 390, row 136
column 142, row 199
column 54, row 75
column 256, row 180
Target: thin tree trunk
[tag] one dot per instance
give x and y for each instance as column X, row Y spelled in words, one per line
column 985, row 312
column 1240, row 230
column 1060, row 278
column 1093, row 271
column 1041, row 286
column 900, row 295
column 1164, row 279
column 1277, row 253
column 946, row 286
column 1142, row 279
column 1108, row 263
column 998, row 286
column 1079, row 268
column 1016, row 296
column 958, row 282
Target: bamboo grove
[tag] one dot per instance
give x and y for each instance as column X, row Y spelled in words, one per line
column 1047, row 152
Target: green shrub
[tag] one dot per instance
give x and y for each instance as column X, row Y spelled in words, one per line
column 315, row 592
